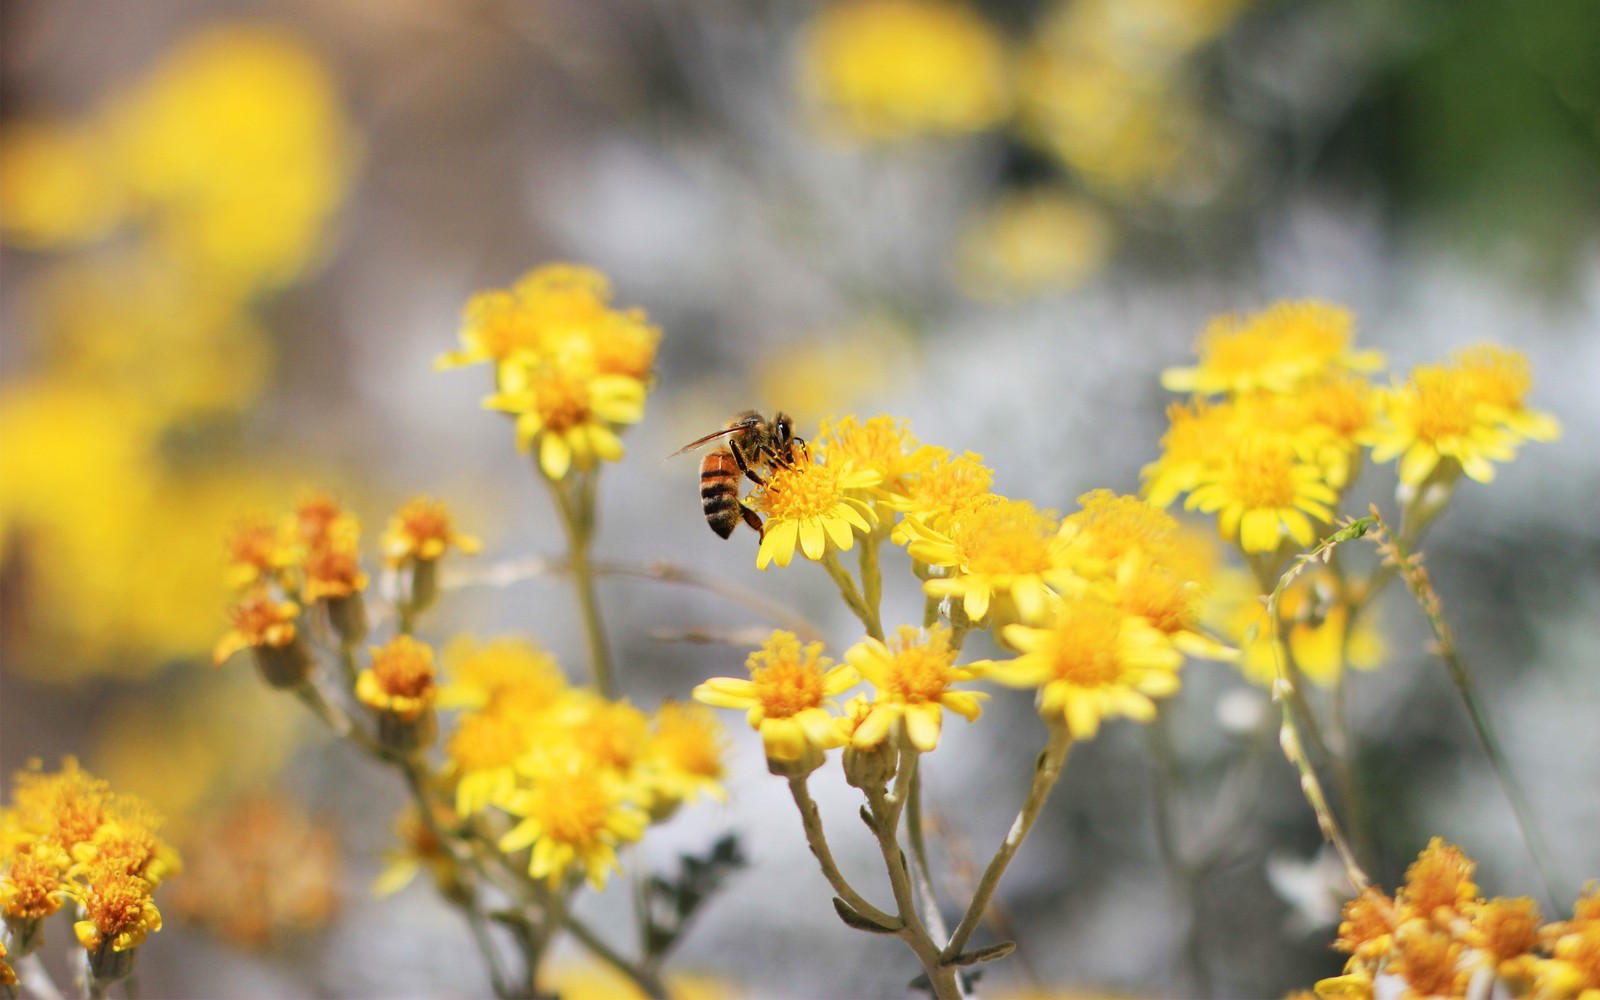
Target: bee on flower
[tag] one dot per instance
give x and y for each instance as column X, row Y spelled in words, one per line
column 814, row 506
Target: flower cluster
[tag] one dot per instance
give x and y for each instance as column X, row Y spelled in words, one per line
column 67, row 838
column 1437, row 937
column 576, row 775
column 570, row 368
column 1281, row 412
column 1100, row 606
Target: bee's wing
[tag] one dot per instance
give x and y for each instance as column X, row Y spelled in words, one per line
column 736, row 428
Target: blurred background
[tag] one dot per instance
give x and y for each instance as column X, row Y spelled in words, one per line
column 236, row 235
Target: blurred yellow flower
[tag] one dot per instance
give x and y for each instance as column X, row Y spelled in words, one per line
column 1262, row 494
column 887, row 69
column 1278, row 349
column 1469, row 411
column 237, row 152
column 56, row 186
column 1004, row 548
column 573, row 817
column 422, row 531
column 1032, row 243
column 573, row 417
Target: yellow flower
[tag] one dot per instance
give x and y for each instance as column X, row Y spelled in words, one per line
column 814, row 505
column 1003, row 548
column 331, row 573
column 117, row 908
column 1439, row 884
column 1198, row 436
column 400, row 681
column 879, row 444
column 1091, row 662
column 893, row 68
column 56, row 187
column 1261, row 493
column 955, row 483
column 1278, row 349
column 259, row 622
column 422, row 531
column 573, row 416
column 33, row 885
column 683, row 759
column 502, row 672
column 418, row 848
column 572, row 816
column 785, row 696
column 482, row 754
column 1469, row 411
column 237, row 145
column 912, row 675
column 1033, row 242
column 257, row 553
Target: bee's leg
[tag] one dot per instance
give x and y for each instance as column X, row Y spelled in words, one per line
column 745, row 465
column 797, row 446
column 753, row 520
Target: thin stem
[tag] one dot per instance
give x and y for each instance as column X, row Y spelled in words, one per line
column 942, row 977
column 811, row 819
column 1187, row 872
column 577, row 520
column 1420, row 585
column 852, row 597
column 872, row 580
column 923, row 874
column 647, row 979
column 32, row 971
column 1045, row 772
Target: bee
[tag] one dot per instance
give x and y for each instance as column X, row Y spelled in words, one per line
column 751, row 445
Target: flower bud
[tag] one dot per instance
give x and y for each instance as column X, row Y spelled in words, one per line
column 869, row 768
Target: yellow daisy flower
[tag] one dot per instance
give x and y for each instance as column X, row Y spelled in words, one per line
column 786, row 696
column 813, row 505
column 684, row 758
column 1004, row 548
column 912, row 675
column 482, row 755
column 118, row 911
column 1469, row 411
column 881, row 444
column 952, row 484
column 1091, row 662
column 572, row 416
column 422, row 531
column 1276, row 349
column 1198, row 435
column 1261, row 493
column 573, row 817
column 400, row 681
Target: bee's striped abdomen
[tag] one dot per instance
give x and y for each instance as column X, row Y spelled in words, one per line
column 719, row 491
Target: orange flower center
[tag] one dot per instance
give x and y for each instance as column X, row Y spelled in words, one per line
column 804, row 491
column 1083, row 648
column 1263, row 476
column 787, row 688
column 571, row 807
column 561, row 400
column 404, row 668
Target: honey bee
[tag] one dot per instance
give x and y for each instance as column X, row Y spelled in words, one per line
column 751, row 445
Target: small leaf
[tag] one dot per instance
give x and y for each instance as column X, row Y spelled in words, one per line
column 981, row 955
column 855, row 919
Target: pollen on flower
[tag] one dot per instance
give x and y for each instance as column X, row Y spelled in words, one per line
column 814, row 506
column 787, row 677
column 1367, row 928
column 1429, row 961
column 1439, row 880
column 1505, row 928
column 404, row 668
column 117, row 908
column 34, row 883
column 785, row 696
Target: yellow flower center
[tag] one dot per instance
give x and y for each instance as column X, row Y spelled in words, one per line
column 422, row 521
column 803, row 491
column 688, row 739
column 117, row 903
column 1161, row 597
column 571, row 807
column 1263, row 476
column 919, row 674
column 787, row 688
column 404, row 668
column 1440, row 877
column 1083, row 646
column 484, row 742
column 263, row 621
column 1443, row 405
column 1507, row 928
column 952, row 483
column 1006, row 538
column 561, row 400
column 34, row 885
column 1497, row 376
column 612, row 735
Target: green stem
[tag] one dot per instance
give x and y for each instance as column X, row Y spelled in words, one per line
column 910, row 759
column 578, row 521
column 811, row 820
column 943, row 978
column 852, row 597
column 872, row 579
column 1045, row 772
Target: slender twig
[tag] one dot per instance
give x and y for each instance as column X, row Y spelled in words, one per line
column 1045, row 772
column 32, row 971
column 921, row 871
column 811, row 820
column 1417, row 581
column 872, row 578
column 577, row 520
column 852, row 596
